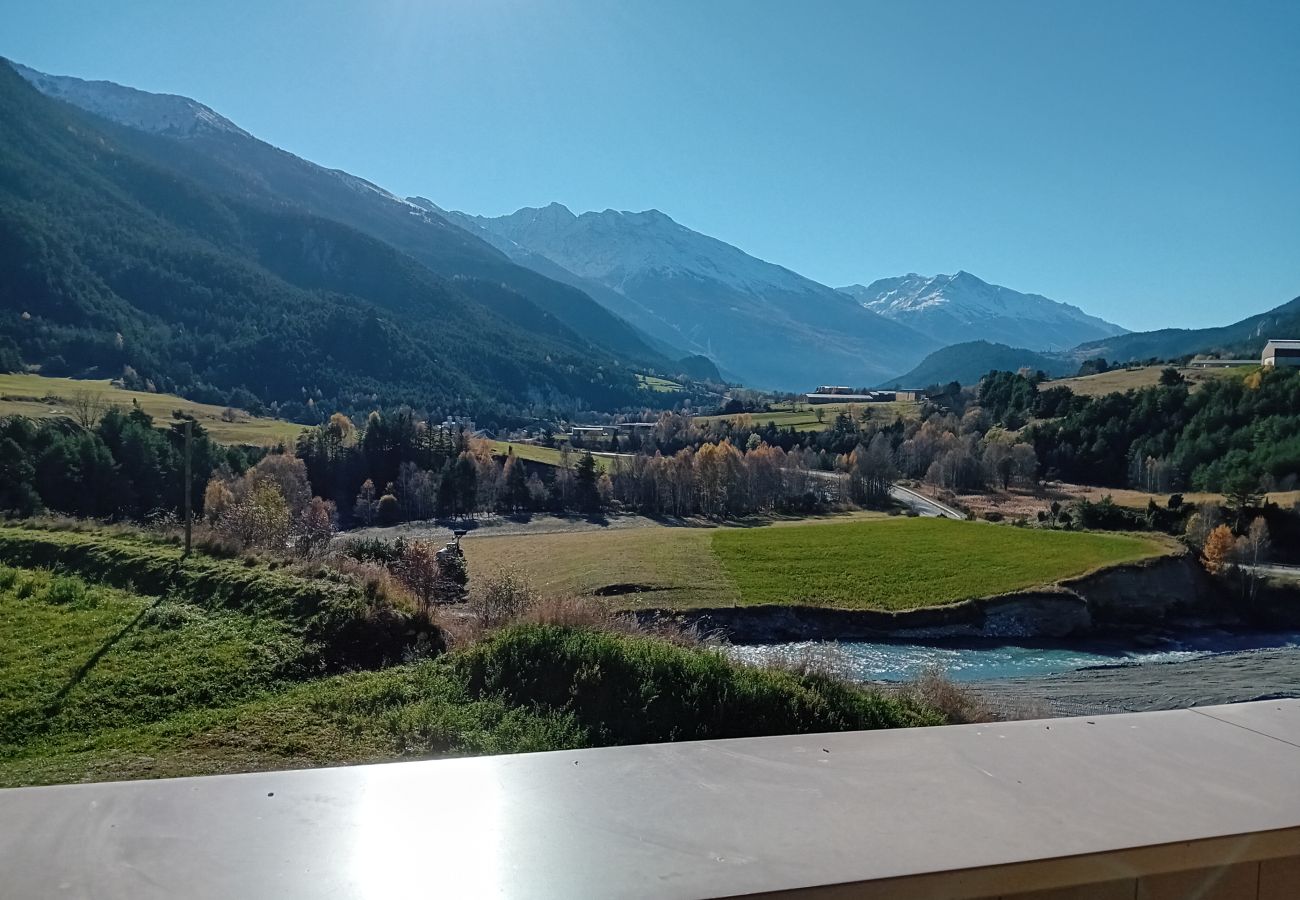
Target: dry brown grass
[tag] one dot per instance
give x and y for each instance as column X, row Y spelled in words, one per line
column 1121, row 380
column 962, row 705
column 959, row 705
column 1019, row 502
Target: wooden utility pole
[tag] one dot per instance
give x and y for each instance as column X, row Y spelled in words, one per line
column 188, row 487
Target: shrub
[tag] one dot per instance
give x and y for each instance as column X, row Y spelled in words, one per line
column 502, row 597
column 388, row 511
column 65, row 590
column 958, row 704
column 375, row 550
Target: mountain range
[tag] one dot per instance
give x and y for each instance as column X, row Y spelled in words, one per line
column 558, row 308
column 958, row 308
column 764, row 325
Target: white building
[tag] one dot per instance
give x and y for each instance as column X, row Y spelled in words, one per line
column 1281, row 353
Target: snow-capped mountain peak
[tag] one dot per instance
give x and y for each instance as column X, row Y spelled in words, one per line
column 157, row 113
column 963, row 307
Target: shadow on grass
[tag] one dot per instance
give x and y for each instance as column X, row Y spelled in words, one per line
column 55, row 706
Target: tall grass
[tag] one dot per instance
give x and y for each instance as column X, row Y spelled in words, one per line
column 350, row 622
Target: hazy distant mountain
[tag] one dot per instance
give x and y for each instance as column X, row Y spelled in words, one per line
column 769, row 326
column 210, row 149
column 970, row 361
column 961, row 307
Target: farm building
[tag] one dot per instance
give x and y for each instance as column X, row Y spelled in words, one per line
column 869, row 397
column 835, row 394
column 1281, row 353
column 609, row 431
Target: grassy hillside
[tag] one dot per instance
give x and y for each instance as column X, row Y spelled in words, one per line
column 658, row 385
column 548, row 456
column 868, row 561
column 133, row 664
column 1118, row 381
column 43, row 397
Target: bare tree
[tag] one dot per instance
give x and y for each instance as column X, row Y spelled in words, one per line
column 87, row 407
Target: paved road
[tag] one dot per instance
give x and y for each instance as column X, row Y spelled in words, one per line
column 906, row 496
column 1277, row 569
column 923, row 505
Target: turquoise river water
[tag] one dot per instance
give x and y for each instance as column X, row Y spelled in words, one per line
column 890, row 661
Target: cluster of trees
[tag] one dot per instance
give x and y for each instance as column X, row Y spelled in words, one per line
column 399, row 467
column 113, row 464
column 1227, row 433
column 1235, row 556
column 270, row 507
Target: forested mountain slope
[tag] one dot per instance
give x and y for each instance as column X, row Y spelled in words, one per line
column 1244, row 339
column 970, row 361
column 202, row 145
column 111, row 263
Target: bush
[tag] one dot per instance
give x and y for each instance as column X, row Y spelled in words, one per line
column 502, row 597
column 375, row 550
column 628, row 690
column 389, row 512
column 65, row 590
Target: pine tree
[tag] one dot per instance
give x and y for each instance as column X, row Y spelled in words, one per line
column 586, row 494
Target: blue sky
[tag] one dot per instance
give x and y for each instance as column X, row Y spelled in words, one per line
column 1141, row 160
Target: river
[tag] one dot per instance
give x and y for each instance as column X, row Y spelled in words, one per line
column 984, row 661
column 1191, row 669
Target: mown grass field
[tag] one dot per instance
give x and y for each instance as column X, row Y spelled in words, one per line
column 43, row 397
column 803, row 416
column 909, row 563
column 673, row 566
column 873, row 562
column 1121, row 380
